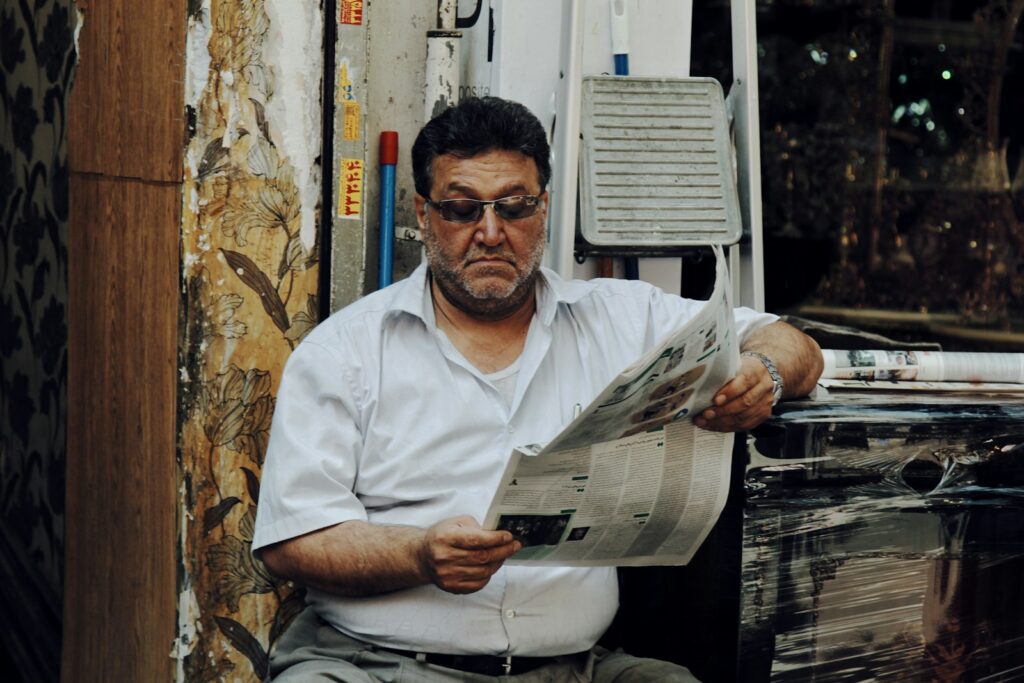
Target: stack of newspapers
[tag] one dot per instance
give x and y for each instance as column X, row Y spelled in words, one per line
column 923, row 371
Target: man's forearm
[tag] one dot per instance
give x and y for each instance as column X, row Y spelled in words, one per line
column 797, row 356
column 358, row 558
column 353, row 558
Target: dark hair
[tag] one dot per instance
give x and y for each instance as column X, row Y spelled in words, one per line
column 477, row 125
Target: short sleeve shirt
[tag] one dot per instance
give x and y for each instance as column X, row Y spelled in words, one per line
column 379, row 418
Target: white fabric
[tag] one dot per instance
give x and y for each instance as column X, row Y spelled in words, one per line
column 505, row 381
column 380, row 418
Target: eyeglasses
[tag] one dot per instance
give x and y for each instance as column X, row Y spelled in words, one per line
column 472, row 210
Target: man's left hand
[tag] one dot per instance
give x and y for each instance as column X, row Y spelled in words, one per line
column 743, row 403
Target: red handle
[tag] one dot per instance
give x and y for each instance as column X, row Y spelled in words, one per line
column 389, row 147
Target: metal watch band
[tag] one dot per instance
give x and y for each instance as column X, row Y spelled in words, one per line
column 773, row 371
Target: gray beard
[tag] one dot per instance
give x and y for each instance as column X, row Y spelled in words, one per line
column 481, row 306
column 486, row 307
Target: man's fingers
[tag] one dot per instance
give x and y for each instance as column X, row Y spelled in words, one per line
column 461, row 573
column 745, row 402
column 445, row 554
column 742, row 403
column 485, row 556
column 750, row 375
column 740, row 414
column 736, row 416
column 462, row 557
column 463, row 578
column 482, row 540
column 737, row 386
column 748, row 401
column 464, row 532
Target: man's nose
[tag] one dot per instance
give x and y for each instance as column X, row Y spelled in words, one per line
column 490, row 230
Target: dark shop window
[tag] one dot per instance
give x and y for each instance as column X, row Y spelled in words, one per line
column 892, row 134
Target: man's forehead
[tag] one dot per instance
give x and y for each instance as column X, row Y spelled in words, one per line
column 493, row 167
column 490, row 157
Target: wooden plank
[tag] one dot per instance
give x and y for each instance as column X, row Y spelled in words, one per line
column 120, row 586
column 127, row 105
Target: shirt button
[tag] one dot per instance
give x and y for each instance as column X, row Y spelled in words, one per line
column 510, row 613
column 511, row 429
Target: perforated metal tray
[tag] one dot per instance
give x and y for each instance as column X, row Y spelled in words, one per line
column 656, row 163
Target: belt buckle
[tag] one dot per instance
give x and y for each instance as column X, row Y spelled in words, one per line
column 506, row 666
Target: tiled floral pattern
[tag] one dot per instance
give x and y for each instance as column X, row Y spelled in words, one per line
column 36, row 67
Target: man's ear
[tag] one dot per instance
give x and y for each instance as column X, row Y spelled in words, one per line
column 420, row 205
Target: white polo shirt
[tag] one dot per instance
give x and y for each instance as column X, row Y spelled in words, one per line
column 380, row 418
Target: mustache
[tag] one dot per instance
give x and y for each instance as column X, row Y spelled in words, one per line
column 477, row 254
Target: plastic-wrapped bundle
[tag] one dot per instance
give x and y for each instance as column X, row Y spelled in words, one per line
column 884, row 540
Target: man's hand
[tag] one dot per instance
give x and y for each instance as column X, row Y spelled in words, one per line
column 746, row 400
column 743, row 403
column 460, row 557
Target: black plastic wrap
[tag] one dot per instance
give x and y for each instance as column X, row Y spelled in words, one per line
column 884, row 540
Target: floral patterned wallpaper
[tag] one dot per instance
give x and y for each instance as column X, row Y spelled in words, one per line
column 37, row 60
column 249, row 284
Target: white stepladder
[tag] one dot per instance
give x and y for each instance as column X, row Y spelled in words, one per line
column 659, row 160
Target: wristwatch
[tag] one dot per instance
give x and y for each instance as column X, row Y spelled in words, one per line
column 769, row 365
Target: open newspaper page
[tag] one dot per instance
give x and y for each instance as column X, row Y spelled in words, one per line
column 922, row 367
column 631, row 481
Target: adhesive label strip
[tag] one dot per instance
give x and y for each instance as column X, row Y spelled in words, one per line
column 350, row 189
column 351, row 12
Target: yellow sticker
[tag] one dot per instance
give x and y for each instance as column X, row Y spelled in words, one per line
column 350, row 121
column 345, row 92
column 351, row 12
column 350, row 188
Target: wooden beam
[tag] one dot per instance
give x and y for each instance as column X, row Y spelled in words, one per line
column 121, row 528
column 127, row 111
column 125, row 145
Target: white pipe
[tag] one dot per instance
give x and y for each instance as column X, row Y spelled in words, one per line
column 748, row 148
column 442, row 61
column 562, row 214
column 442, row 88
column 619, row 27
column 446, row 14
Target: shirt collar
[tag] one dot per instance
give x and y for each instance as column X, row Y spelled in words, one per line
column 413, row 296
column 552, row 290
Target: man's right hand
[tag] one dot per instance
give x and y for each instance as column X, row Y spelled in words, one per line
column 460, row 557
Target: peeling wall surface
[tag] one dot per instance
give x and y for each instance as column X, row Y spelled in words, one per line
column 37, row 60
column 249, row 283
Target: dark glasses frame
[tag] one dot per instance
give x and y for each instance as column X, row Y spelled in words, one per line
column 446, row 207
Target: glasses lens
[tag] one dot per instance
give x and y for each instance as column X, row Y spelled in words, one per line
column 461, row 210
column 513, row 208
column 472, row 210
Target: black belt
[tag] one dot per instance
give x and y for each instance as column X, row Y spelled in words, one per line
column 489, row 665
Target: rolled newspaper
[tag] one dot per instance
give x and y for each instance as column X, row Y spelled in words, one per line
column 924, row 366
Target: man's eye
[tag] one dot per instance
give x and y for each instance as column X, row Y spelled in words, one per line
column 514, row 208
column 461, row 209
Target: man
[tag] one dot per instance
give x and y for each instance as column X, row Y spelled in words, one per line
column 395, row 418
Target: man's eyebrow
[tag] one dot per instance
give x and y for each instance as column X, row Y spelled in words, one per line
column 506, row 190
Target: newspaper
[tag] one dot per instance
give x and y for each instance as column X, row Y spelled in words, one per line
column 631, row 481
column 912, row 385
column 922, row 367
